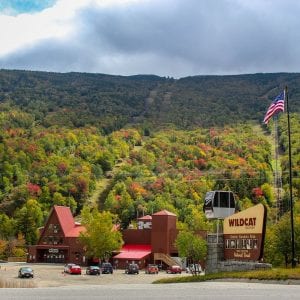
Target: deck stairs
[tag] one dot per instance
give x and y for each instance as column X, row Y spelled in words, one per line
column 167, row 259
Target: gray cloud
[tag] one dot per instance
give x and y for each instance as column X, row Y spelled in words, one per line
column 174, row 38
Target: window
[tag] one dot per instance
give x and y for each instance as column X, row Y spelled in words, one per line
column 208, row 200
column 51, row 238
column 223, row 199
column 56, row 228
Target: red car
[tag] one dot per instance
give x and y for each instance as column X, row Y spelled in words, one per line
column 75, row 270
column 151, row 269
column 174, row 270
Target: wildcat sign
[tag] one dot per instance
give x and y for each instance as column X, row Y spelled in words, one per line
column 242, row 222
column 244, row 234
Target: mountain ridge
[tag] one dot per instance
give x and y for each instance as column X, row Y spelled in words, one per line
column 113, row 101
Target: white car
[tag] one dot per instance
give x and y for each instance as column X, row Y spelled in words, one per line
column 194, row 269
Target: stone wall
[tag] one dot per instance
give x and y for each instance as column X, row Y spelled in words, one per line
column 234, row 265
column 215, row 252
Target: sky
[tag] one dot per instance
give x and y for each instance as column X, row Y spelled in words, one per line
column 175, row 38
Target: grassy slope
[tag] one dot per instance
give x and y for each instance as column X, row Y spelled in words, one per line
column 273, row 274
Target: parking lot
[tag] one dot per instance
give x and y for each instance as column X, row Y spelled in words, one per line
column 52, row 275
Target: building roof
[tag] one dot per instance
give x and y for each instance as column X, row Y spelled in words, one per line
column 65, row 218
column 68, row 225
column 133, row 251
column 74, row 232
column 145, row 218
column 164, row 213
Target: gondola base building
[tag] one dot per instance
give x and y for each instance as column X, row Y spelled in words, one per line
column 152, row 242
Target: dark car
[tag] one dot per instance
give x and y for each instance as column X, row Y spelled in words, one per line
column 132, row 269
column 107, row 268
column 174, row 270
column 25, row 272
column 151, row 269
column 92, row 270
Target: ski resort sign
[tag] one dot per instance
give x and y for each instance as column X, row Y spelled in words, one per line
column 244, row 234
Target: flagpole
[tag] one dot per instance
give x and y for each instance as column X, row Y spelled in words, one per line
column 277, row 174
column 291, row 179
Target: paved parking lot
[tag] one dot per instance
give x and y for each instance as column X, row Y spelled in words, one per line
column 52, row 275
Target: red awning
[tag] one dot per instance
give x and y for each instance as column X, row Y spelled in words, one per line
column 132, row 255
column 133, row 252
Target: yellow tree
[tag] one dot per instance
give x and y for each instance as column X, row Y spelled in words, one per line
column 191, row 246
column 101, row 237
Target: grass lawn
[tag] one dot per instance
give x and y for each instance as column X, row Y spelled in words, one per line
column 273, row 274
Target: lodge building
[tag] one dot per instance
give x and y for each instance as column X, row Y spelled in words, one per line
column 58, row 242
column 153, row 241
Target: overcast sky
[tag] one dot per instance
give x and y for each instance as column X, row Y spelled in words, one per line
column 174, row 38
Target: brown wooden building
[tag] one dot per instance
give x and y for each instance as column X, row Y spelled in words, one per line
column 58, row 242
column 153, row 240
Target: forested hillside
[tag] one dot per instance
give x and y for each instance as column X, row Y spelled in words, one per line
column 150, row 143
column 110, row 102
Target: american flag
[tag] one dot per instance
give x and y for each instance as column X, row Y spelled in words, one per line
column 276, row 106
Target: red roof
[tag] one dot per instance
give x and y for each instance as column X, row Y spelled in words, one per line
column 74, row 232
column 134, row 251
column 164, row 213
column 145, row 218
column 67, row 223
column 65, row 218
column 69, row 227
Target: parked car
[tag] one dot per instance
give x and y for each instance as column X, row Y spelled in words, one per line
column 75, row 270
column 25, row 272
column 151, row 269
column 92, row 270
column 132, row 269
column 174, row 269
column 67, row 267
column 72, row 268
column 194, row 269
column 107, row 268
